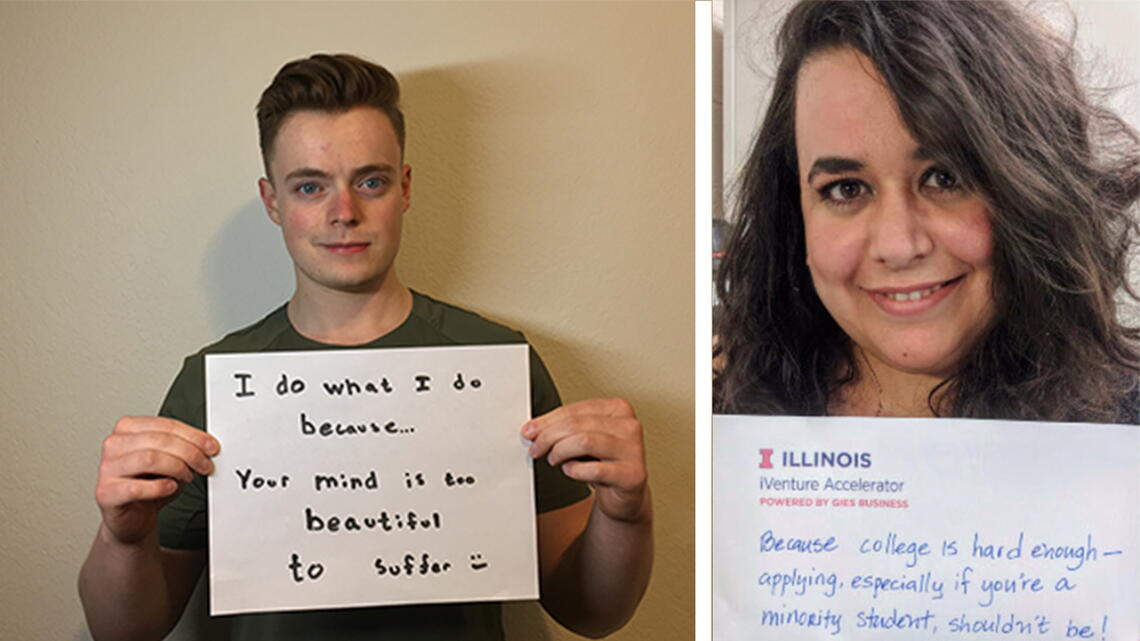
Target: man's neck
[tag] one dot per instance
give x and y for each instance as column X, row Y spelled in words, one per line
column 349, row 318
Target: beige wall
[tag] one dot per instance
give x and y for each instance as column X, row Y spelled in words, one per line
column 552, row 153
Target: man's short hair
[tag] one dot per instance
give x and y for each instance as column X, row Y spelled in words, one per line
column 331, row 83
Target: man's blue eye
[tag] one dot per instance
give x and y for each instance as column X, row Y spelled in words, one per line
column 308, row 189
column 372, row 183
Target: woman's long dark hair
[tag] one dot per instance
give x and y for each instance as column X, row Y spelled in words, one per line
column 992, row 95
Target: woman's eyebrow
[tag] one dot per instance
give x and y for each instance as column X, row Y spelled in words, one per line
column 833, row 165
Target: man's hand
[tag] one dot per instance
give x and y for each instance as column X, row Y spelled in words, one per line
column 131, row 588
column 598, row 441
column 144, row 460
column 595, row 555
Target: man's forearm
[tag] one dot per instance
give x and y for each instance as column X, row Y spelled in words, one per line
column 124, row 590
column 603, row 574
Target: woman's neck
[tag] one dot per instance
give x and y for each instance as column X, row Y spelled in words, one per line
column 881, row 390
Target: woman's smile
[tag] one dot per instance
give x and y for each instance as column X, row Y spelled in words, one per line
column 912, row 300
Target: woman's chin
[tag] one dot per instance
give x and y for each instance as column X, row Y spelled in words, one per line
column 922, row 361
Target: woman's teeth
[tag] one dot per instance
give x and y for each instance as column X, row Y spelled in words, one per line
column 915, row 295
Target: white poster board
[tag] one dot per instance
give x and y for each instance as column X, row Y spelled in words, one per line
column 850, row 528
column 370, row 477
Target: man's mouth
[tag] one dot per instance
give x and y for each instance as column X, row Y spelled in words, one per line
column 345, row 248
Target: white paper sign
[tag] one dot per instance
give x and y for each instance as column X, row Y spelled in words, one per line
column 844, row 528
column 370, row 477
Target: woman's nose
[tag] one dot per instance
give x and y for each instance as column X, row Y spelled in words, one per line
column 899, row 237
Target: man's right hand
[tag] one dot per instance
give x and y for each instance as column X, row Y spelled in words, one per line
column 130, row 586
column 145, row 459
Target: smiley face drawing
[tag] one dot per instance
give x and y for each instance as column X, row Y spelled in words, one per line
column 477, row 562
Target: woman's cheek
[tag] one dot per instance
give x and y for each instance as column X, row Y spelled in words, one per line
column 834, row 250
column 969, row 236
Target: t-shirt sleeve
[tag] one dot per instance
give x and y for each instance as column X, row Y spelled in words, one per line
column 182, row 522
column 552, row 488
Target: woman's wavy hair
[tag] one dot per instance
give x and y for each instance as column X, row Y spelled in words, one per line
column 992, row 94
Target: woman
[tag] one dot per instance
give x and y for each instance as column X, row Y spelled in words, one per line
column 933, row 221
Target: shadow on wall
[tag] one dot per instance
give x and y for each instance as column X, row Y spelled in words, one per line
column 245, row 270
column 466, row 125
column 437, row 106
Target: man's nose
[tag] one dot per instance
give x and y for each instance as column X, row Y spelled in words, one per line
column 899, row 237
column 344, row 209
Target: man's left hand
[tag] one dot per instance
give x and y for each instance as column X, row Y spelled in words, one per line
column 598, row 441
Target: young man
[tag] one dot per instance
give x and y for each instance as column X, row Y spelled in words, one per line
column 332, row 140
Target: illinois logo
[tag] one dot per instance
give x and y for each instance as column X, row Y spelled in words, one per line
column 766, row 458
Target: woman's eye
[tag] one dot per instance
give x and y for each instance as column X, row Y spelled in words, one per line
column 941, row 179
column 842, row 191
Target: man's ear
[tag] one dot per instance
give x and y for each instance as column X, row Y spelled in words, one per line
column 269, row 199
column 406, row 186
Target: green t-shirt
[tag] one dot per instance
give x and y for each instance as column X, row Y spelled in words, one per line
column 182, row 523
